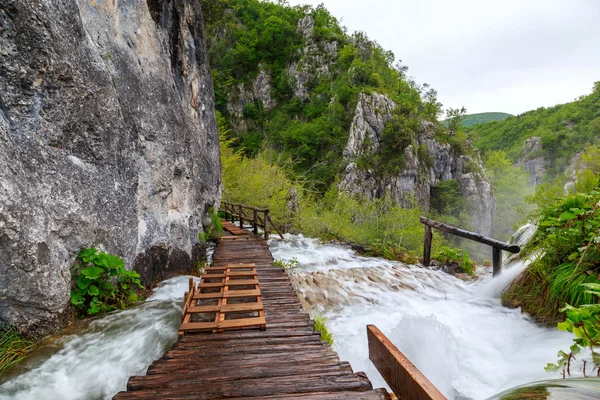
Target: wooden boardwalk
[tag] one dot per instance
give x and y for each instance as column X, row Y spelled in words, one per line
column 287, row 360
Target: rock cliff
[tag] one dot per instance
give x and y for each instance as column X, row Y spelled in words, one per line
column 107, row 138
column 426, row 163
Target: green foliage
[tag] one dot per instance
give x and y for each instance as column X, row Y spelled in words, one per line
column 247, row 37
column 101, row 283
column 214, row 230
column 321, row 326
column 584, row 323
column 511, row 188
column 564, row 130
column 568, row 240
column 446, row 256
column 13, row 349
column 287, row 265
column 469, row 120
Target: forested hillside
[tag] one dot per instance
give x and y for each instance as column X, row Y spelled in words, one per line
column 482, row 118
column 550, row 135
column 290, row 78
column 337, row 116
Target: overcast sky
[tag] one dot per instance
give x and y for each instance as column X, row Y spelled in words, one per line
column 509, row 56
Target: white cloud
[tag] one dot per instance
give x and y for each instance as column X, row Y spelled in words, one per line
column 510, row 56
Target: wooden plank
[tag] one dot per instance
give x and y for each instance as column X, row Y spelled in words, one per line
column 197, row 326
column 242, row 322
column 238, row 282
column 227, row 308
column 406, row 381
column 496, row 260
column 241, row 293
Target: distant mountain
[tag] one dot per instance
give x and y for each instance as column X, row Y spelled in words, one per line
column 481, row 118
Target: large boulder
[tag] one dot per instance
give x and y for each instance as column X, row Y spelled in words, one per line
column 108, row 138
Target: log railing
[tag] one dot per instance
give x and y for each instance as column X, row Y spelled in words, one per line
column 257, row 217
column 497, row 246
column 405, row 380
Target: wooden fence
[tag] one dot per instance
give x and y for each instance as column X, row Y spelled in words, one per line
column 497, row 246
column 257, row 217
column 405, row 380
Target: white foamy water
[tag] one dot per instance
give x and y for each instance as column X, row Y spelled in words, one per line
column 458, row 334
column 96, row 361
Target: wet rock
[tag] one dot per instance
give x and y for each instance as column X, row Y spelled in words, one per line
column 107, row 139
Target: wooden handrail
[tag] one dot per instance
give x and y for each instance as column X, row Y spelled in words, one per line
column 497, row 246
column 405, row 380
column 242, row 213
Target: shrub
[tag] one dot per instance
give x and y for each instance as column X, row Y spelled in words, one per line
column 446, row 256
column 13, row 349
column 584, row 323
column 321, row 326
column 287, row 265
column 101, row 283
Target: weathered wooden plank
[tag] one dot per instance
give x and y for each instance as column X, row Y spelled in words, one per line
column 256, row 387
column 406, row 381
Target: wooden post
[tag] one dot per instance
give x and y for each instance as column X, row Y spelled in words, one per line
column 266, row 221
column 427, row 245
column 496, row 260
column 405, row 380
column 255, row 222
column 241, row 218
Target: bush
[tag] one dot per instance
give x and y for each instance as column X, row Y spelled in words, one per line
column 447, row 256
column 101, row 283
column 287, row 265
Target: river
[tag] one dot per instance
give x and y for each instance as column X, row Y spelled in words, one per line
column 457, row 333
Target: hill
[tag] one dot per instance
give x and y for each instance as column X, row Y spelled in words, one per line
column 551, row 135
column 482, row 118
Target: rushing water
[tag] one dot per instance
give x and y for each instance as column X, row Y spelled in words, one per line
column 456, row 333
column 95, row 359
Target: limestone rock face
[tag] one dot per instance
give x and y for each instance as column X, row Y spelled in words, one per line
column 418, row 176
column 259, row 92
column 534, row 164
column 314, row 61
column 107, row 138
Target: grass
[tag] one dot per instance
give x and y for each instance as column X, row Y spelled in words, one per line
column 321, row 326
column 13, row 349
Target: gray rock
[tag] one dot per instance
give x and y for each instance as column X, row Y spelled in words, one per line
column 107, row 139
column 417, row 177
column 532, row 161
column 259, row 91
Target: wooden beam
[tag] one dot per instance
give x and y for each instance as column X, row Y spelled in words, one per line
column 405, row 380
column 496, row 260
column 470, row 235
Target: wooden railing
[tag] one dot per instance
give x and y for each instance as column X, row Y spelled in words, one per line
column 497, row 246
column 405, row 380
column 257, row 217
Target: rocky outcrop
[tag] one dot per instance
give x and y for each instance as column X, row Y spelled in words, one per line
column 532, row 161
column 427, row 162
column 107, row 138
column 259, row 94
column 314, row 61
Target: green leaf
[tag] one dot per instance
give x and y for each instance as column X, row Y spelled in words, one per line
column 596, row 358
column 92, row 272
column 567, row 216
column 83, row 282
column 76, row 298
column 93, row 290
column 565, row 326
